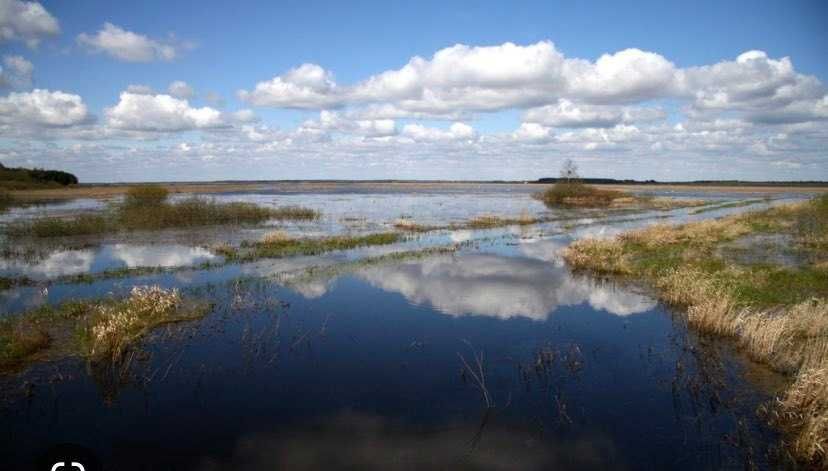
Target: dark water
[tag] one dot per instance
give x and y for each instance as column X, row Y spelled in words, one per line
column 365, row 369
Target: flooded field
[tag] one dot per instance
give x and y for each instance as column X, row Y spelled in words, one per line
column 453, row 347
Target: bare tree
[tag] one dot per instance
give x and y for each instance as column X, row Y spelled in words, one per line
column 569, row 172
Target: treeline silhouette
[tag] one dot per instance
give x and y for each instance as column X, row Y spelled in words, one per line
column 27, row 177
column 613, row 181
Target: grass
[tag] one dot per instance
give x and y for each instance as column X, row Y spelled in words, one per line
column 576, row 194
column 99, row 330
column 488, row 221
column 778, row 315
column 734, row 204
column 281, row 245
column 146, row 208
column 6, row 199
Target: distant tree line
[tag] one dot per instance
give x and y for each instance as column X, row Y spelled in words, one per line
column 23, row 177
column 613, row 181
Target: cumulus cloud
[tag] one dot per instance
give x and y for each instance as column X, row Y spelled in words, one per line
column 16, row 72
column 129, row 46
column 333, row 121
column 456, row 132
column 26, row 21
column 308, row 86
column 42, row 108
column 180, row 89
column 532, row 132
column 558, row 91
column 142, row 112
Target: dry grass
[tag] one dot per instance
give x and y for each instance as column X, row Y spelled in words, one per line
column 490, row 221
column 114, row 326
column 405, row 224
column 281, row 246
column 146, row 209
column 276, row 237
column 777, row 315
column 804, row 411
column 100, row 330
column 575, row 194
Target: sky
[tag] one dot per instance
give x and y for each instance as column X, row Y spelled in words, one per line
column 478, row 90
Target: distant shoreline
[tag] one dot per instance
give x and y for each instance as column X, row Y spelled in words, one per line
column 110, row 190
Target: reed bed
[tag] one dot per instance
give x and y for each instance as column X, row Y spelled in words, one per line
column 147, row 208
column 777, row 315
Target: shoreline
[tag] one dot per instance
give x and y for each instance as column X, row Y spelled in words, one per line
column 106, row 191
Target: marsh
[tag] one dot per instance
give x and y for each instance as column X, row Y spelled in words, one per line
column 472, row 340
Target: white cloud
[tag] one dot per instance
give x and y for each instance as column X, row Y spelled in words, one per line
column 180, row 89
column 559, row 91
column 578, row 115
column 141, row 112
column 42, row 108
column 532, row 132
column 16, row 72
column 626, row 76
column 26, row 21
column 128, row 46
column 333, row 121
column 307, row 86
column 140, row 89
column 456, row 132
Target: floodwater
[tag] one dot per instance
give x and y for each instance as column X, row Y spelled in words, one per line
column 493, row 356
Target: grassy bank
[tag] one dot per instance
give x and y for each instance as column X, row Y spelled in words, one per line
column 778, row 314
column 98, row 329
column 147, row 208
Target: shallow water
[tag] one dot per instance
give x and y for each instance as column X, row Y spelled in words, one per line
column 348, row 360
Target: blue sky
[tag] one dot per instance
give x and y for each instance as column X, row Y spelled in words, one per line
column 687, row 90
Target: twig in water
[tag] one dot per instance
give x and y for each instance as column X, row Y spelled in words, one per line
column 479, row 376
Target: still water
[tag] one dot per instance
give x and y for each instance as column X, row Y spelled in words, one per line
column 494, row 356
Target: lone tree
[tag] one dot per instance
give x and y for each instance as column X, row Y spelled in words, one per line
column 569, row 172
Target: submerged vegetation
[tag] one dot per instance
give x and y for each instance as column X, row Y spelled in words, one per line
column 94, row 329
column 779, row 315
column 146, row 207
column 279, row 244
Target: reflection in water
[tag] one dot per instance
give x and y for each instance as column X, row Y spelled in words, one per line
column 361, row 441
column 492, row 285
column 63, row 262
column 107, row 257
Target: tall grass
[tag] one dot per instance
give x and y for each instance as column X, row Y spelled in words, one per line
column 577, row 194
column 152, row 195
column 146, row 208
column 777, row 315
column 6, row 199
